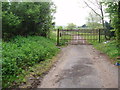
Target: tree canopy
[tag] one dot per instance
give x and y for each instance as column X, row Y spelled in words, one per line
column 93, row 20
column 71, row 26
column 27, row 18
column 114, row 15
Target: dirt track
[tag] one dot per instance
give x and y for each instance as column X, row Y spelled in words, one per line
column 81, row 66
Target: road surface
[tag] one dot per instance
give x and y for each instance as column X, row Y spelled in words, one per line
column 81, row 66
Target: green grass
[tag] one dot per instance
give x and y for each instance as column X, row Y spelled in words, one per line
column 109, row 48
column 37, row 71
column 22, row 53
column 93, row 38
column 53, row 36
column 64, row 39
column 86, row 35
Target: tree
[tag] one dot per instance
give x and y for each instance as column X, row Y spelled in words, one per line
column 27, row 18
column 114, row 14
column 93, row 21
column 118, row 27
column 84, row 26
column 71, row 26
column 60, row 28
column 99, row 6
column 109, row 30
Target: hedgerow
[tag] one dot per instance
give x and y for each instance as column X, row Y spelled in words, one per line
column 21, row 53
column 27, row 18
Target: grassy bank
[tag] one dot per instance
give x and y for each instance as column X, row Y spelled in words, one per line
column 109, row 48
column 20, row 54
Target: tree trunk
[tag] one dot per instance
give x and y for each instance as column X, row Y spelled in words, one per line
column 102, row 18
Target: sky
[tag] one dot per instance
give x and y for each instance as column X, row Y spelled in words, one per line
column 72, row 11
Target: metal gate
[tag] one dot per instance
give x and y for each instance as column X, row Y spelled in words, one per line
column 81, row 36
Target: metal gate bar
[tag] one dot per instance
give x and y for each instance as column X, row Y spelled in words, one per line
column 80, row 35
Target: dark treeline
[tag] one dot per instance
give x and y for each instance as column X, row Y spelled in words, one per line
column 27, row 18
column 114, row 15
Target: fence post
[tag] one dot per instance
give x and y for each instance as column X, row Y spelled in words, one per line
column 99, row 35
column 58, row 35
column 105, row 34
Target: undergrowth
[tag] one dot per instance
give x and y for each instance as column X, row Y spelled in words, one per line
column 110, row 48
column 22, row 53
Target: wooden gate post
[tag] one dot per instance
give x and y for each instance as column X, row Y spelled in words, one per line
column 99, row 35
column 58, row 35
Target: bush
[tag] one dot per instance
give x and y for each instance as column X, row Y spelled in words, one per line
column 27, row 18
column 21, row 53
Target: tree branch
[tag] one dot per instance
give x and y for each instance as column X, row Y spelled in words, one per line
column 92, row 9
column 94, row 3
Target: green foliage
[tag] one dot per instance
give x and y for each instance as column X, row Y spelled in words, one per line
column 114, row 14
column 27, row 18
column 109, row 48
column 53, row 35
column 64, row 40
column 10, row 24
column 60, row 28
column 11, row 19
column 94, row 25
column 71, row 26
column 93, row 21
column 22, row 53
column 0, row 62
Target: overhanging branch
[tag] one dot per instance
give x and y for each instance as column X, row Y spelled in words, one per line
column 92, row 9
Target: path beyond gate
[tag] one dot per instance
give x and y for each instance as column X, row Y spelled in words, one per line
column 81, row 36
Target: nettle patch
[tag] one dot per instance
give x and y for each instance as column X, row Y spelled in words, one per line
column 21, row 53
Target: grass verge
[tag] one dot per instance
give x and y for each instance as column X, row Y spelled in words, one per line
column 109, row 48
column 35, row 74
column 22, row 53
